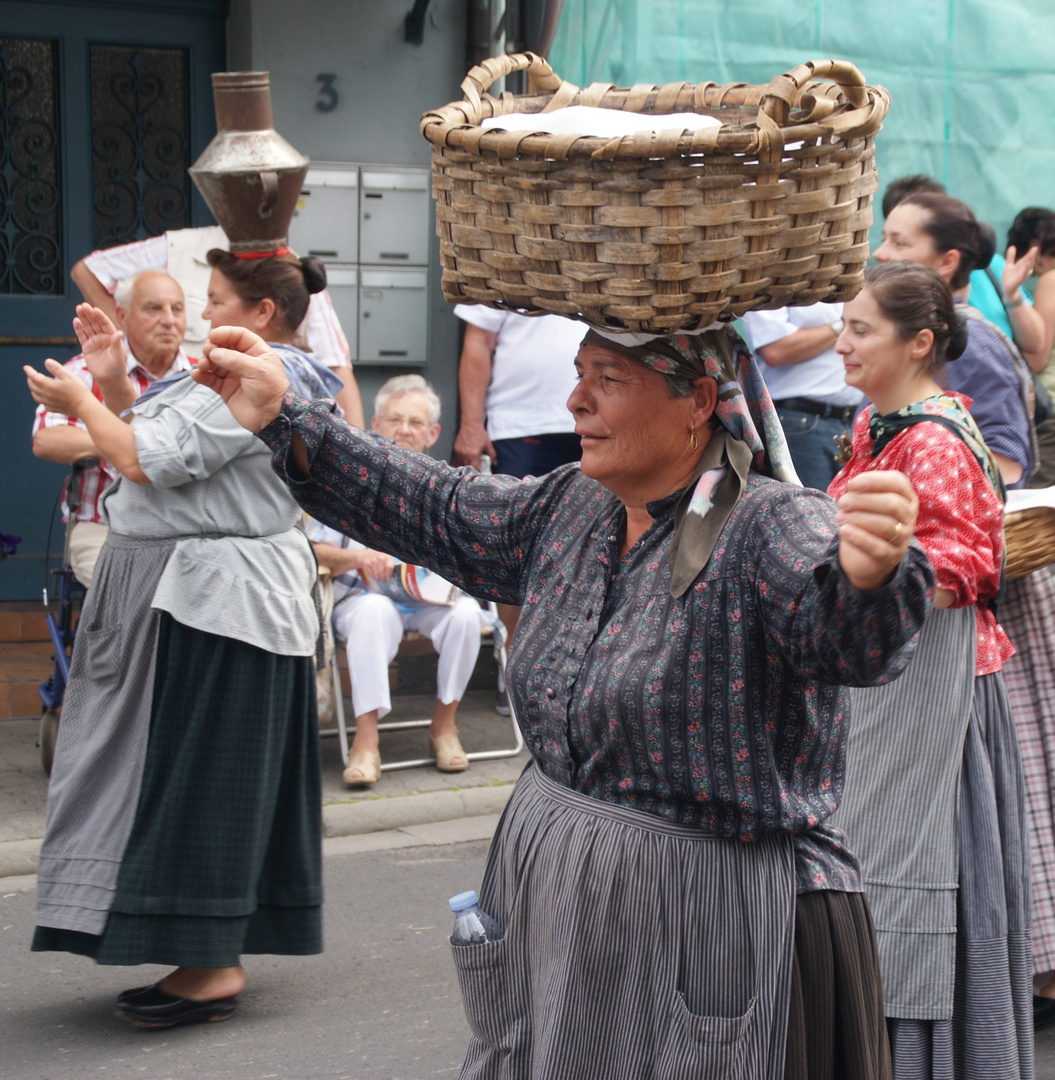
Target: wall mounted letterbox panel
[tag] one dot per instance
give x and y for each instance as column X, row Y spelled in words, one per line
column 326, row 220
column 393, row 316
column 395, row 217
column 342, row 283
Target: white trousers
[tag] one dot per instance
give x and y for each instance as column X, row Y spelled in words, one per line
column 373, row 628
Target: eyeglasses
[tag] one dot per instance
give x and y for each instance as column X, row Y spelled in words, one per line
column 415, row 423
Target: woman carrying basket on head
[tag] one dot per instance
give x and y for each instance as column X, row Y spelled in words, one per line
column 688, row 626
column 184, row 809
column 934, row 798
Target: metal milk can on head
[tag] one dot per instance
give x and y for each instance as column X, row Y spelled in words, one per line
column 249, row 176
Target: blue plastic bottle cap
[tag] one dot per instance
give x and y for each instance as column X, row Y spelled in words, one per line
column 464, row 900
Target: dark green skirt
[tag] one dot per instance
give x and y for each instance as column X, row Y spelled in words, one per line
column 225, row 854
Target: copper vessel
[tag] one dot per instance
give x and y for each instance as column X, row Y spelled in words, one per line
column 249, row 176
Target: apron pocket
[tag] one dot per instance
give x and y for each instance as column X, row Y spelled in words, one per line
column 101, row 650
column 704, row 1047
column 482, row 979
column 96, row 679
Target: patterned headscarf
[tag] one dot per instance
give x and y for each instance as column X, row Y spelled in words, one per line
column 750, row 433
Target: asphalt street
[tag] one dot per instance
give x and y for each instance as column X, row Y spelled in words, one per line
column 381, row 1003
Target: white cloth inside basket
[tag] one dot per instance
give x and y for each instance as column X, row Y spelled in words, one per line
column 1029, row 498
column 608, row 123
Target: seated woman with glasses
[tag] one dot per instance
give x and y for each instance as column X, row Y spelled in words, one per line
column 406, row 410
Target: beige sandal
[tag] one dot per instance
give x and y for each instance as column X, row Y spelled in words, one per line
column 363, row 767
column 448, row 752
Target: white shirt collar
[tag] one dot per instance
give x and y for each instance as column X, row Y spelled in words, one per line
column 181, row 363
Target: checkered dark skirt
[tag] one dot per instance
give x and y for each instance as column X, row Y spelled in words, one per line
column 224, row 857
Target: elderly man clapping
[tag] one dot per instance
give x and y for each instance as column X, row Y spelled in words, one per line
column 117, row 364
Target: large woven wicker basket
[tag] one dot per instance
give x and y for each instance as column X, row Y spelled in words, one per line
column 1029, row 540
column 658, row 231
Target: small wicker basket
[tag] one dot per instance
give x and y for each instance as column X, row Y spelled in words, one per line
column 658, row 231
column 1029, row 540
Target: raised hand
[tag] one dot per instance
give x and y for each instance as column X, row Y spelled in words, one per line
column 239, row 366
column 102, row 344
column 1016, row 270
column 61, row 392
column 876, row 518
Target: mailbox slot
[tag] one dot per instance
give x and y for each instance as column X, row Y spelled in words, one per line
column 393, row 316
column 394, row 218
column 326, row 220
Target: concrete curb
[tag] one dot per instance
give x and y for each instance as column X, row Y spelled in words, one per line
column 20, row 857
column 381, row 815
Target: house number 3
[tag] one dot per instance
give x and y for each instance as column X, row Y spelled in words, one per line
column 328, row 98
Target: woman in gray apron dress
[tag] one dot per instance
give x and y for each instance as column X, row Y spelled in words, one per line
column 687, row 625
column 934, row 799
column 184, row 807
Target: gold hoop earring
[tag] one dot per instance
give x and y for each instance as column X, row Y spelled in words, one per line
column 694, row 443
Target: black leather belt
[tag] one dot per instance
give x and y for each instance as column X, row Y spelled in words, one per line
column 843, row 413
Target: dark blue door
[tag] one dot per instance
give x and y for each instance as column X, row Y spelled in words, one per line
column 102, row 108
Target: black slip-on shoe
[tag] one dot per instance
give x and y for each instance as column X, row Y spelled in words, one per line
column 153, row 1008
column 1043, row 1012
column 136, row 991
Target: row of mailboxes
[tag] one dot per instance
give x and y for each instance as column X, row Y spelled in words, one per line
column 352, row 214
column 388, row 306
column 371, row 226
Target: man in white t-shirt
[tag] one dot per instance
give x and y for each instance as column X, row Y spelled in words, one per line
column 181, row 254
column 515, row 375
column 795, row 348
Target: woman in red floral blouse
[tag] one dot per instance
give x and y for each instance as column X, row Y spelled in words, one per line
column 934, row 799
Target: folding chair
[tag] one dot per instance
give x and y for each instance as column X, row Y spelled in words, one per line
column 414, row 644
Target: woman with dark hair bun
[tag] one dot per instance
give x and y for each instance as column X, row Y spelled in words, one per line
column 184, row 811
column 934, row 799
column 996, row 288
column 269, row 295
column 942, row 233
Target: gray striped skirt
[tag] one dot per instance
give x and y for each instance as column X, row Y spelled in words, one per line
column 633, row 947
column 934, row 807
column 990, row 1033
column 1027, row 615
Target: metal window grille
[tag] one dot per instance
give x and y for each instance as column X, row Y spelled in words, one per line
column 140, row 144
column 30, row 217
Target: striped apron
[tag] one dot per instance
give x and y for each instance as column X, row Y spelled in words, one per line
column 633, row 947
column 102, row 744
column 904, row 754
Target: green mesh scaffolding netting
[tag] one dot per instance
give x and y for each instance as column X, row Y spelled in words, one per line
column 970, row 82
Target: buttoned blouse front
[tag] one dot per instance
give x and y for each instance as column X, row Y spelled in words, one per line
column 723, row 708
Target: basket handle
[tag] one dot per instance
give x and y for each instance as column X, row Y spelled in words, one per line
column 480, row 79
column 774, row 105
column 784, row 91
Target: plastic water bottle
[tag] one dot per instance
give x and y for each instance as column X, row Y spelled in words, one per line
column 472, row 925
column 485, row 465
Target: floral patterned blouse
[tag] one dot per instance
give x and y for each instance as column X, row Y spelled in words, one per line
column 961, row 518
column 723, row 709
